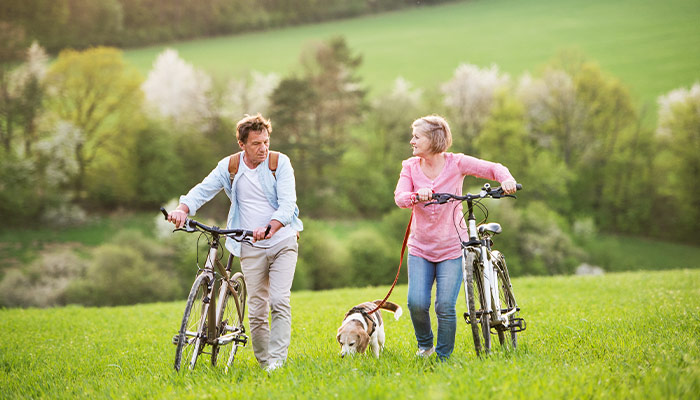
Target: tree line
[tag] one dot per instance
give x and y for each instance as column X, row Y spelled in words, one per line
column 88, row 133
column 58, row 24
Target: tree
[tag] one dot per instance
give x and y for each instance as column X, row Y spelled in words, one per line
column 678, row 164
column 468, row 97
column 99, row 94
column 314, row 116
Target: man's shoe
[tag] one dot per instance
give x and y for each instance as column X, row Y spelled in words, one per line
column 425, row 353
column 273, row 365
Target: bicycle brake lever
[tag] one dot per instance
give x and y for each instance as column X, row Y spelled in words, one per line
column 432, row 202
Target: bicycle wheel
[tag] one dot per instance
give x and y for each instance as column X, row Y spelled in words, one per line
column 484, row 316
column 191, row 334
column 475, row 302
column 507, row 300
column 230, row 316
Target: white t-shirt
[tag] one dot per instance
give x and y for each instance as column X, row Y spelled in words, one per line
column 255, row 209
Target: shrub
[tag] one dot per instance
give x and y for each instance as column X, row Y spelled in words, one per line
column 370, row 259
column 43, row 283
column 132, row 269
column 322, row 260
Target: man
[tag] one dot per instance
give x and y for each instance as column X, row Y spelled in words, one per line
column 263, row 201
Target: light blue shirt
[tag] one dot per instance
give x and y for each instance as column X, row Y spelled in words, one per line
column 280, row 190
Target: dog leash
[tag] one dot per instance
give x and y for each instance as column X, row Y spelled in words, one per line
column 403, row 250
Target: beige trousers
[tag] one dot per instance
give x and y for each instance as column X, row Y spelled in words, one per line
column 268, row 275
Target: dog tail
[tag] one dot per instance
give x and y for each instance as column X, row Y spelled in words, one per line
column 390, row 306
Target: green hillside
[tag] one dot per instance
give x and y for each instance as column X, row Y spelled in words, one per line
column 650, row 45
column 625, row 335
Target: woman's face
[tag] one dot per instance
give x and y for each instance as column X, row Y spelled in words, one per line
column 420, row 143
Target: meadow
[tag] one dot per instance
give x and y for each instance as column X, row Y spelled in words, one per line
column 649, row 45
column 622, row 335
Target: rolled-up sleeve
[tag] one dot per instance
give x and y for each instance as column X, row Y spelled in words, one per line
column 207, row 188
column 286, row 191
column 473, row 166
column 404, row 187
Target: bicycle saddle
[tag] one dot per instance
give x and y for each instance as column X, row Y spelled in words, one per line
column 492, row 227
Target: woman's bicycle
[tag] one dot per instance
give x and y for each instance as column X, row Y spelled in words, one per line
column 212, row 319
column 488, row 292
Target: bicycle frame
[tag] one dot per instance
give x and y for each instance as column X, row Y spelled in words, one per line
column 211, row 265
column 482, row 246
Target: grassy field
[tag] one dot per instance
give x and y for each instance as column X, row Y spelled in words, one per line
column 650, row 45
column 625, row 335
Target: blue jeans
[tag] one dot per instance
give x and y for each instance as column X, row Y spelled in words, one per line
column 421, row 275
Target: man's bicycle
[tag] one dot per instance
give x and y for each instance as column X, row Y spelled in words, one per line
column 488, row 292
column 216, row 304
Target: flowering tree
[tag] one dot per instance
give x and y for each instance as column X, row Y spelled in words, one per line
column 249, row 96
column 469, row 96
column 175, row 89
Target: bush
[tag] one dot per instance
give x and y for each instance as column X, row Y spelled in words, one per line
column 132, row 269
column 370, row 259
column 322, row 260
column 44, row 283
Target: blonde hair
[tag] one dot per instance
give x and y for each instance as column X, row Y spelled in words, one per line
column 437, row 130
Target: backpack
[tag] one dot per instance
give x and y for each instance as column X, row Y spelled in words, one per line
column 236, row 159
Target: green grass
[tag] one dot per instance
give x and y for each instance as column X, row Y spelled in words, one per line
column 651, row 46
column 624, row 253
column 625, row 335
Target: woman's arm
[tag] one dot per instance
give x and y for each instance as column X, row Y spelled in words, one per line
column 403, row 195
column 473, row 166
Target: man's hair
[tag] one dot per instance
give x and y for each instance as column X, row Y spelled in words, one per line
column 252, row 123
column 437, row 130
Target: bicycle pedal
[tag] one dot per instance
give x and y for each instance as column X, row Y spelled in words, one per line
column 518, row 325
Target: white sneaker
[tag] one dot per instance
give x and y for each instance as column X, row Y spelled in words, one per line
column 273, row 365
column 425, row 353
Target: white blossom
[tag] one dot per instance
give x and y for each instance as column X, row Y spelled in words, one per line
column 177, row 90
column 669, row 101
column 471, row 91
column 58, row 148
column 249, row 96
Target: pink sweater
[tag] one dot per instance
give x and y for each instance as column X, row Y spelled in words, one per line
column 433, row 233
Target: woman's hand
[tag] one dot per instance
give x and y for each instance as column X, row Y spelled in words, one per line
column 509, row 186
column 424, row 194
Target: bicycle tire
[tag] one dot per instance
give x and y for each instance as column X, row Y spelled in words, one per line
column 470, row 261
column 484, row 317
column 229, row 316
column 193, row 321
column 507, row 299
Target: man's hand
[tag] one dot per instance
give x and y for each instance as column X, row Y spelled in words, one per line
column 259, row 233
column 179, row 215
column 509, row 186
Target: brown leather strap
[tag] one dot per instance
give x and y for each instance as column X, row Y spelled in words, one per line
column 403, row 250
column 235, row 160
column 274, row 157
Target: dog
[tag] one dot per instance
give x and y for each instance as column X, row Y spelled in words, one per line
column 359, row 328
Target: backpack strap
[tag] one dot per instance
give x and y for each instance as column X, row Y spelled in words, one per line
column 233, row 165
column 235, row 160
column 274, row 157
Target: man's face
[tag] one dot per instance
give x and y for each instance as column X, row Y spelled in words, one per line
column 256, row 146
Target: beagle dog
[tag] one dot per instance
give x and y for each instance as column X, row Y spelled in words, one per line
column 360, row 328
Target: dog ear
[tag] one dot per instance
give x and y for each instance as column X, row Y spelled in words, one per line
column 362, row 342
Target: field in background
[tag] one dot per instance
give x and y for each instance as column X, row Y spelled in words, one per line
column 626, row 335
column 613, row 253
column 649, row 45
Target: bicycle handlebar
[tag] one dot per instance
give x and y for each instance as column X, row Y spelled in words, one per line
column 486, row 191
column 193, row 226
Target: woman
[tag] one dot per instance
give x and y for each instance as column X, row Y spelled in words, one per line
column 434, row 251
